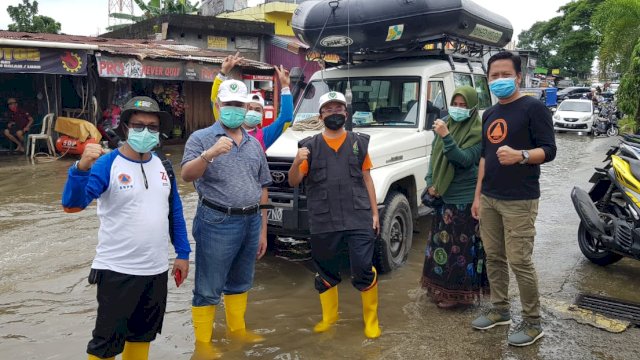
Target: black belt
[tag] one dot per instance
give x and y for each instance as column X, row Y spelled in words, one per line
column 247, row 210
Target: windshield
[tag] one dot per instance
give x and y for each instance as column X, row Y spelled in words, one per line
column 565, row 91
column 575, row 106
column 376, row 101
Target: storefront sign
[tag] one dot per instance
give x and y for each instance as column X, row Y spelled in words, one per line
column 43, row 61
column 257, row 77
column 217, row 42
column 121, row 67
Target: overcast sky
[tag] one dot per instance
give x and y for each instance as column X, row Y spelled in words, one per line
column 89, row 17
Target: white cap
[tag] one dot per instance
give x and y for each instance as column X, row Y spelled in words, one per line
column 232, row 90
column 332, row 96
column 255, row 98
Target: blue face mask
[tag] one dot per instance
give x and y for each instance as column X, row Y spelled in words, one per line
column 232, row 116
column 142, row 141
column 503, row 87
column 253, row 118
column 459, row 114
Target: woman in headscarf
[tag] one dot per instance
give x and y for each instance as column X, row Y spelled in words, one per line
column 454, row 268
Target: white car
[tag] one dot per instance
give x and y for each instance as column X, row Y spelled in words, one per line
column 574, row 115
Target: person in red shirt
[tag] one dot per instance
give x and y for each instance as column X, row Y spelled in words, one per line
column 18, row 124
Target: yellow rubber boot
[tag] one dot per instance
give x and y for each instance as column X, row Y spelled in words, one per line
column 370, row 309
column 329, row 302
column 135, row 351
column 235, row 306
column 93, row 357
column 202, row 317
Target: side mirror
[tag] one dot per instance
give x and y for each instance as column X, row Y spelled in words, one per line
column 596, row 111
column 553, row 110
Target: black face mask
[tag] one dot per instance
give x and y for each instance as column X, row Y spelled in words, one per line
column 335, row 121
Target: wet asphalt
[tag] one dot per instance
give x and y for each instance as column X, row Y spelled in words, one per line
column 47, row 309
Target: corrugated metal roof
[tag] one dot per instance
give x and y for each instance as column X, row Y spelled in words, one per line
column 136, row 47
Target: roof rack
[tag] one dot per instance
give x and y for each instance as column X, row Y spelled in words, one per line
column 444, row 47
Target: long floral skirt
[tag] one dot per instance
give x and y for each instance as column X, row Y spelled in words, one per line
column 454, row 266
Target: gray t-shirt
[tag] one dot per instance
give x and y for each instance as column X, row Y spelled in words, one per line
column 234, row 179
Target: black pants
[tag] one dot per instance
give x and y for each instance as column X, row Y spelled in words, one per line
column 130, row 308
column 325, row 251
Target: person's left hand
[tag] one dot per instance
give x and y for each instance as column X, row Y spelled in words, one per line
column 508, row 156
column 26, row 129
column 181, row 265
column 262, row 245
column 376, row 224
column 440, row 128
column 283, row 76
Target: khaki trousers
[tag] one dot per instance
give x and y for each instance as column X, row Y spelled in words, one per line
column 507, row 229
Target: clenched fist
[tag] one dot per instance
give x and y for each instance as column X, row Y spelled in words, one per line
column 302, row 155
column 90, row 154
column 508, row 156
column 221, row 147
column 440, row 128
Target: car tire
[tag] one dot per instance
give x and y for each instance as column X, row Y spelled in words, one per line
column 396, row 234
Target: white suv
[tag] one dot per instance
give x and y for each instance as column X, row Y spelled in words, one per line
column 389, row 104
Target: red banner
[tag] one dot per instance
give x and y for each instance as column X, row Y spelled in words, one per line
column 123, row 67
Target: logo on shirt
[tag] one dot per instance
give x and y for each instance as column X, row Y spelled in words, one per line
column 497, row 131
column 164, row 178
column 125, row 181
column 356, row 151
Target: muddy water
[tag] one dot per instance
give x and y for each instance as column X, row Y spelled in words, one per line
column 47, row 309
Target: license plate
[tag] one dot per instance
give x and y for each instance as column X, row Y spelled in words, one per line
column 274, row 216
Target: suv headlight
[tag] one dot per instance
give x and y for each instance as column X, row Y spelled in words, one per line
column 586, row 118
column 556, row 116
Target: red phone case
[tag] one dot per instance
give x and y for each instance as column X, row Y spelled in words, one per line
column 178, row 277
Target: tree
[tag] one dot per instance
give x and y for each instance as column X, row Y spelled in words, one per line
column 25, row 18
column 567, row 42
column 156, row 8
column 618, row 24
column 629, row 91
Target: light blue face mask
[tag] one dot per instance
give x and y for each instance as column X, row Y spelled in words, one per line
column 253, row 118
column 232, row 116
column 142, row 141
column 459, row 114
column 503, row 88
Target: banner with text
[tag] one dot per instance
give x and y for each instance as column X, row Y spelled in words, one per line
column 43, row 61
column 124, row 67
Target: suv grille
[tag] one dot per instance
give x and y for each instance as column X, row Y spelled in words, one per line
column 280, row 188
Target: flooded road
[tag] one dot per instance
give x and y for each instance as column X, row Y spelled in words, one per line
column 47, row 309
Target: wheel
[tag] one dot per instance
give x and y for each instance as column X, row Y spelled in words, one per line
column 592, row 251
column 393, row 244
column 613, row 131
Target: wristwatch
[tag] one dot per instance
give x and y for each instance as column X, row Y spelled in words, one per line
column 525, row 157
column 203, row 157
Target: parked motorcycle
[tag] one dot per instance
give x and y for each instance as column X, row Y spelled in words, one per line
column 610, row 213
column 606, row 122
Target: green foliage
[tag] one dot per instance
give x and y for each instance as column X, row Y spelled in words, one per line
column 25, row 18
column 629, row 92
column 628, row 125
column 618, row 23
column 566, row 42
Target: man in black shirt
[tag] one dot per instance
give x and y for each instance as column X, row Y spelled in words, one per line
column 517, row 137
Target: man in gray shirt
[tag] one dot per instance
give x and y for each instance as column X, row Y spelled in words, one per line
column 230, row 172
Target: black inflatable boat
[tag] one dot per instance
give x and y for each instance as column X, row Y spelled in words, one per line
column 382, row 25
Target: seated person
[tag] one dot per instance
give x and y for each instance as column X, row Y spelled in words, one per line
column 18, row 124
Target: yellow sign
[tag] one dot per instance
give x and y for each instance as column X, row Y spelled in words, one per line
column 216, row 42
column 555, row 72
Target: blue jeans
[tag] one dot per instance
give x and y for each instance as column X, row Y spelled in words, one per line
column 226, row 249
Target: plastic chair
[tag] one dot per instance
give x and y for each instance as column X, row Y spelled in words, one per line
column 45, row 134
